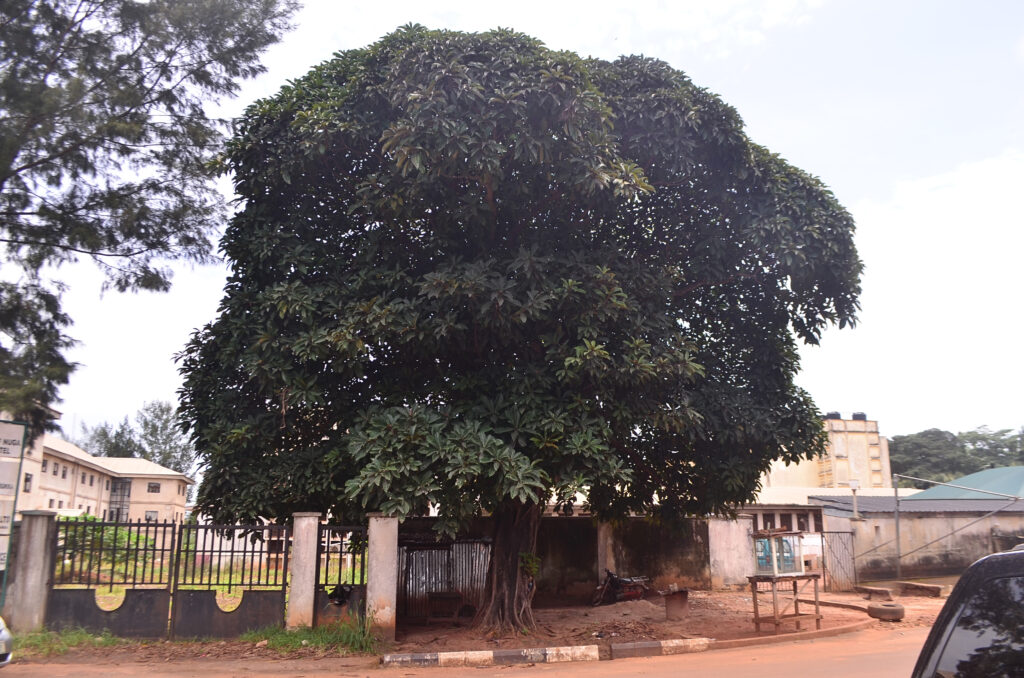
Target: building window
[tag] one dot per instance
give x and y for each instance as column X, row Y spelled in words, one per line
column 767, row 521
column 44, row 465
column 108, row 483
column 28, row 483
column 88, row 510
column 151, row 516
column 64, row 473
column 55, row 467
column 92, row 479
column 153, row 488
column 51, row 503
column 60, row 504
column 83, row 477
column 104, row 514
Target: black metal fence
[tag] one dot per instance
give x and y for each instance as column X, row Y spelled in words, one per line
column 341, row 556
column 222, row 579
column 254, row 557
column 131, row 555
column 171, row 555
column 340, row 571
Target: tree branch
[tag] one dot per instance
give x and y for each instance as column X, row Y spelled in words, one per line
column 91, row 253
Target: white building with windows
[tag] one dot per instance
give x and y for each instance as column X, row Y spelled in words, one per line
column 60, row 476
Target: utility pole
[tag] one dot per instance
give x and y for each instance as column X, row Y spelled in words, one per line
column 896, row 492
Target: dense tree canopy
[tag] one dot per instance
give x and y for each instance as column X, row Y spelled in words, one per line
column 474, row 273
column 104, row 150
column 943, row 456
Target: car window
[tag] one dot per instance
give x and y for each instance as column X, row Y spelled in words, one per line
column 987, row 640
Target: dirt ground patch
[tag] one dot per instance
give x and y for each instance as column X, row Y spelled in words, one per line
column 721, row 615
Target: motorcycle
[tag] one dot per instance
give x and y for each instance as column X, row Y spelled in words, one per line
column 615, row 588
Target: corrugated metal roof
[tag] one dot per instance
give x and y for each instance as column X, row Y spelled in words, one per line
column 888, row 505
column 797, row 496
column 1003, row 480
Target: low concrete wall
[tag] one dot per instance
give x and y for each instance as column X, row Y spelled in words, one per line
column 667, row 554
column 875, row 545
column 573, row 549
column 567, row 548
column 730, row 551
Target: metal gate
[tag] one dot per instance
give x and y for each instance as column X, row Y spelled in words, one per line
column 838, row 561
column 125, row 567
column 229, row 579
column 440, row 579
column 340, row 573
column 147, row 579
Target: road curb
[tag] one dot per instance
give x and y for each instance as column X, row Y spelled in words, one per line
column 658, row 648
column 536, row 655
column 799, row 635
column 841, row 606
column 589, row 653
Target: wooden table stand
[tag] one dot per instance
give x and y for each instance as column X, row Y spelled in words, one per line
column 792, row 585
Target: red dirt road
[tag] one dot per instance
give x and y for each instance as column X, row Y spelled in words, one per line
column 878, row 652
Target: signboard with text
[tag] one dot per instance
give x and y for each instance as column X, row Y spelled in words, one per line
column 12, row 439
column 12, row 436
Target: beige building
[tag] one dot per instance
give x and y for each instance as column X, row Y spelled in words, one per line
column 855, row 452
column 60, row 476
column 856, row 458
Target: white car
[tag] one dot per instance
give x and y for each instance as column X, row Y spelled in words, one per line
column 6, row 644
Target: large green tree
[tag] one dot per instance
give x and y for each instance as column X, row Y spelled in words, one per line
column 156, row 435
column 939, row 455
column 474, row 274
column 105, row 144
column 107, row 440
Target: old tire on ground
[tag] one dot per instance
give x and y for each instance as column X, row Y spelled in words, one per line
column 886, row 611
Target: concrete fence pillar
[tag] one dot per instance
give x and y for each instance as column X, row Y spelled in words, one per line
column 29, row 581
column 382, row 574
column 302, row 592
column 605, row 550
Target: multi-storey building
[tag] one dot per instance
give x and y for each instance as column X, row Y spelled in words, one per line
column 856, row 459
column 59, row 475
column 855, row 452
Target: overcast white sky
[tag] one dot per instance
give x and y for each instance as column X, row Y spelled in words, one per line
column 910, row 111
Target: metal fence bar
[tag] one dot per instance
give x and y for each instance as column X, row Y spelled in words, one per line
column 93, row 553
column 138, row 554
column 231, row 556
column 349, row 568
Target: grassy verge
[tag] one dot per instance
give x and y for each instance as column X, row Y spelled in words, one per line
column 350, row 636
column 56, row 643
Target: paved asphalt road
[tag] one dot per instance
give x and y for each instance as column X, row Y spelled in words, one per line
column 867, row 654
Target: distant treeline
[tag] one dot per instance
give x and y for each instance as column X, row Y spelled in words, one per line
column 940, row 455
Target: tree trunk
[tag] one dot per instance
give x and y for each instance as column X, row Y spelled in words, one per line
column 510, row 577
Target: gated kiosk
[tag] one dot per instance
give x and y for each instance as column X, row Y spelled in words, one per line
column 780, row 573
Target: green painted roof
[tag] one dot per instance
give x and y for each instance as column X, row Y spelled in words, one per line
column 1004, row 480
